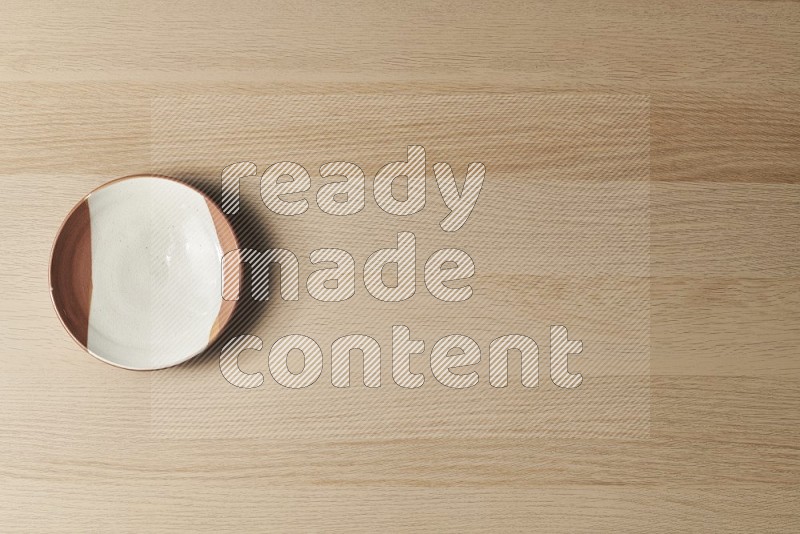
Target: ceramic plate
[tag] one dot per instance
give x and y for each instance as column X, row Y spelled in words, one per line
column 136, row 272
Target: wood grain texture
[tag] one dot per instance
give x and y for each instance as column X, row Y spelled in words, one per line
column 77, row 85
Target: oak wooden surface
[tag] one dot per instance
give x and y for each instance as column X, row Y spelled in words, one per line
column 77, row 88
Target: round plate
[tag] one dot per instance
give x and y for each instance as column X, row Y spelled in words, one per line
column 136, row 272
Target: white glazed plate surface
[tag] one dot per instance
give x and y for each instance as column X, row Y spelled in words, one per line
column 154, row 272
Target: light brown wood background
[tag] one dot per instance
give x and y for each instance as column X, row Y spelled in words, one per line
column 76, row 87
